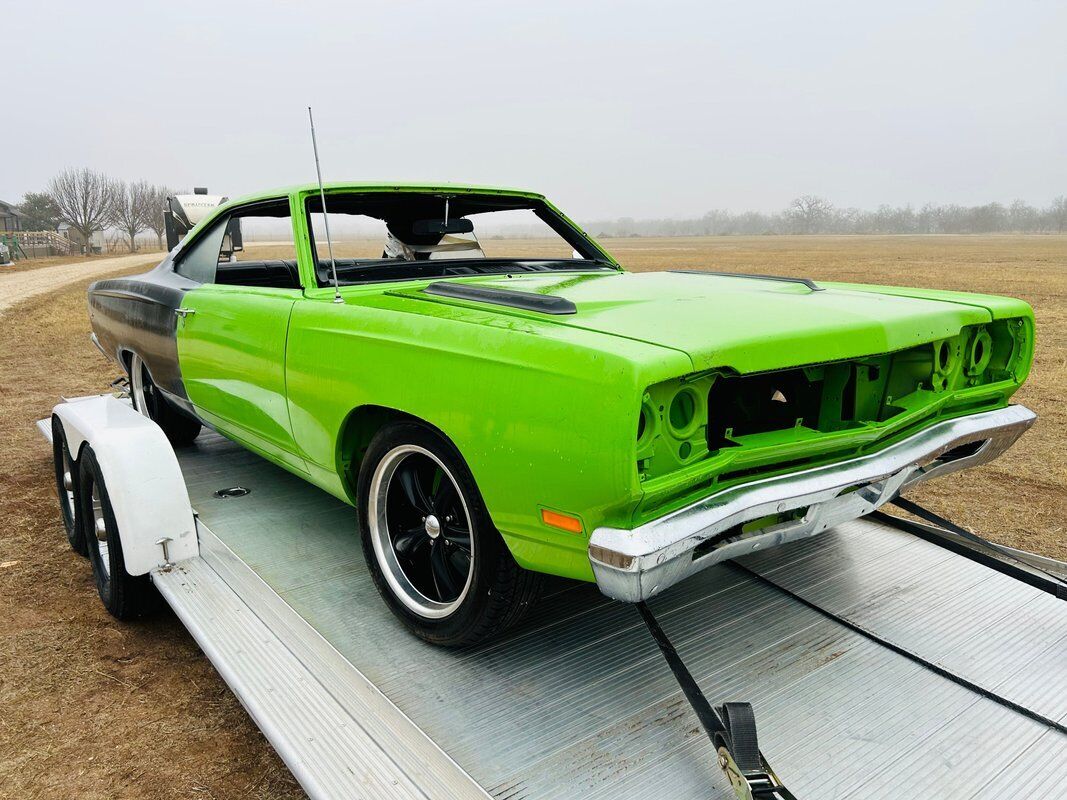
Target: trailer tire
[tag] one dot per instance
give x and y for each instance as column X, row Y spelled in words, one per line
column 180, row 428
column 66, row 470
column 497, row 592
column 125, row 596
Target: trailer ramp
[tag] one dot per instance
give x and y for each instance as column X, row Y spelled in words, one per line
column 577, row 701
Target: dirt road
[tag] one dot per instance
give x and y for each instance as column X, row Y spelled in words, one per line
column 24, row 284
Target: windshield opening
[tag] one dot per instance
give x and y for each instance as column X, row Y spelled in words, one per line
column 412, row 235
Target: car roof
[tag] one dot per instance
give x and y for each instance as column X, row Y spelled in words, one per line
column 381, row 186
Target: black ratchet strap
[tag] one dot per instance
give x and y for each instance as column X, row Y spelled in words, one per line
column 1027, row 573
column 732, row 730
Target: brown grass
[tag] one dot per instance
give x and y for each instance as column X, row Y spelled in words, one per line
column 93, row 708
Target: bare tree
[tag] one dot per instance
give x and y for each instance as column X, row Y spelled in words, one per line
column 157, row 202
column 1057, row 213
column 810, row 213
column 1022, row 217
column 84, row 199
column 130, row 209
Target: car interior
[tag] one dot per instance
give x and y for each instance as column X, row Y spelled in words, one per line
column 424, row 236
column 276, row 273
column 435, row 235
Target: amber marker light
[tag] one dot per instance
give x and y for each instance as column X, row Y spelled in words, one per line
column 565, row 522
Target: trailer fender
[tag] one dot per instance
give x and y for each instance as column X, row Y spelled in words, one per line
column 144, row 481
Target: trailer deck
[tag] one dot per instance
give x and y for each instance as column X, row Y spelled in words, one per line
column 577, row 701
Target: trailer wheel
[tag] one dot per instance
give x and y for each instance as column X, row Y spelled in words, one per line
column 125, row 596
column 66, row 487
column 438, row 562
column 180, row 428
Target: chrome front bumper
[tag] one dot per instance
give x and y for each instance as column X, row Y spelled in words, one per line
column 633, row 565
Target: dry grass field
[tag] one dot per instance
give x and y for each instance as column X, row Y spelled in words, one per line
column 97, row 709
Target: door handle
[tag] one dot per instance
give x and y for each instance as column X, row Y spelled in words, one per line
column 184, row 312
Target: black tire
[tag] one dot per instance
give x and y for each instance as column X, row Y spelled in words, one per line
column 125, row 596
column 498, row 592
column 179, row 427
column 66, row 470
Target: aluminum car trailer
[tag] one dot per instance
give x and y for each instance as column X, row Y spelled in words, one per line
column 880, row 661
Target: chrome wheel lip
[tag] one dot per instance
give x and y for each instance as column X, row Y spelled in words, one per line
column 401, row 586
column 137, row 389
column 98, row 533
column 67, row 490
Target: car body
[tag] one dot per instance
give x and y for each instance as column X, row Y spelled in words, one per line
column 621, row 427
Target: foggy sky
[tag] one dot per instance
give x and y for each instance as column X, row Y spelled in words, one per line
column 640, row 109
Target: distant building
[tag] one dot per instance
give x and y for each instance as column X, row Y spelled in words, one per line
column 96, row 241
column 10, row 219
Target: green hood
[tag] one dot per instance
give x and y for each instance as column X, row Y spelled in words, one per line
column 752, row 325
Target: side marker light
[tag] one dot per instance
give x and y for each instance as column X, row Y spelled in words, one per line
column 564, row 522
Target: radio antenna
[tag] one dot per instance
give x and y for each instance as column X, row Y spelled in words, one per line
column 325, row 217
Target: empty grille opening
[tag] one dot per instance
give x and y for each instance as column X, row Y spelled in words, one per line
column 821, row 398
column 775, row 401
column 848, row 395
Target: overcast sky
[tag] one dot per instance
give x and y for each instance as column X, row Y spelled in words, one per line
column 613, row 109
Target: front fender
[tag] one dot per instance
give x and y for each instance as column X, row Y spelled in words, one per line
column 545, row 416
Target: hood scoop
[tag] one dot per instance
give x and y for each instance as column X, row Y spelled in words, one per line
column 527, row 301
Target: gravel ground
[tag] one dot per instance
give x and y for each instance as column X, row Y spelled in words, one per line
column 22, row 284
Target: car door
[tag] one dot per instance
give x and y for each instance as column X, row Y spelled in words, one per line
column 232, row 328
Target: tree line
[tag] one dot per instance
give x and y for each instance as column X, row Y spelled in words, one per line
column 812, row 215
column 90, row 201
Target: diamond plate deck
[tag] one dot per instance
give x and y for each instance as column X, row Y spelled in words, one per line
column 577, row 702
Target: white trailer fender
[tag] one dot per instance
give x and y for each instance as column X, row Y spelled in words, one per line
column 142, row 476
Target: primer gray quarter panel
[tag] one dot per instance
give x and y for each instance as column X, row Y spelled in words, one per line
column 136, row 314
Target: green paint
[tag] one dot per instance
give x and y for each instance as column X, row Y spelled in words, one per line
column 547, row 410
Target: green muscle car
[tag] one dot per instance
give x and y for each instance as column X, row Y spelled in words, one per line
column 499, row 399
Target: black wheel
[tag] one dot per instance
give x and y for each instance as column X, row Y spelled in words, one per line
column 66, row 487
column 431, row 547
column 125, row 596
column 180, row 428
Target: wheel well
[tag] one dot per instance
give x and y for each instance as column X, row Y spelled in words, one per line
column 356, row 434
column 82, row 445
column 126, row 361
